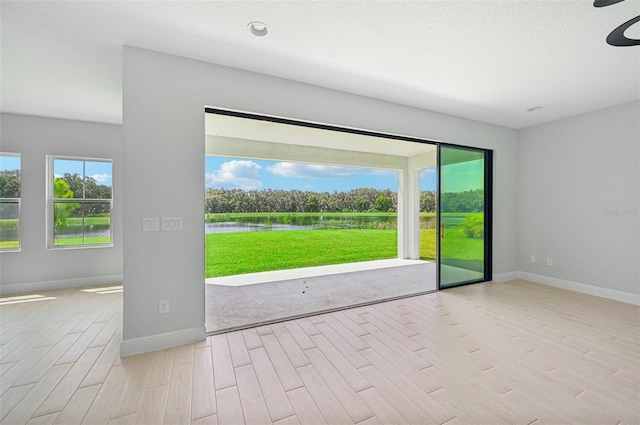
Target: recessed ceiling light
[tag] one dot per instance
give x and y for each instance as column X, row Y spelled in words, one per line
column 259, row 29
column 534, row 108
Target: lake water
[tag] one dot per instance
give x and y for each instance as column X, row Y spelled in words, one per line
column 303, row 222
column 97, row 231
column 234, row 226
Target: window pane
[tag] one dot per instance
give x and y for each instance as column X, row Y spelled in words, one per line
column 82, row 223
column 82, row 195
column 9, row 225
column 98, row 182
column 68, row 223
column 97, row 223
column 9, row 202
column 69, row 175
column 9, row 176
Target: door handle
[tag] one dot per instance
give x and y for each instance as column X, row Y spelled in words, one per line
column 442, row 231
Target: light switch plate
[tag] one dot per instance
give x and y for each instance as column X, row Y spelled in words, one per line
column 171, row 223
column 150, row 224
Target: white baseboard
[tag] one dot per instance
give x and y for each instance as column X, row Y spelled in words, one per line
column 504, row 277
column 611, row 294
column 162, row 341
column 17, row 288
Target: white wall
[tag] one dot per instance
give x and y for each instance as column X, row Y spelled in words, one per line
column 164, row 144
column 579, row 202
column 35, row 268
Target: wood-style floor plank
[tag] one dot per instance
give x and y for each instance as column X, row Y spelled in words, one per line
column 203, row 403
column 283, row 367
column 153, row 405
column 507, row 353
column 238, row 349
column 290, row 346
column 307, row 410
column 229, row 406
column 77, row 407
column 349, row 399
column 223, row 373
column 26, row 408
column 105, row 402
column 60, row 396
column 178, row 407
column 324, row 397
column 254, row 406
column 271, row 387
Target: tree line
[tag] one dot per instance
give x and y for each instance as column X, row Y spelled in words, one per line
column 355, row 200
column 67, row 186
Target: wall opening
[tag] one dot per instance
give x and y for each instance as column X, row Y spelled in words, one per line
column 234, row 136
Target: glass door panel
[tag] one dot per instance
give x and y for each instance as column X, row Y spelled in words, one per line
column 463, row 216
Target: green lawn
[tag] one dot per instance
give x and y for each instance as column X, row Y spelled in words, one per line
column 249, row 252
column 78, row 241
column 9, row 244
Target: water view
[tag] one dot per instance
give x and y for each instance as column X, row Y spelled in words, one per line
column 229, row 223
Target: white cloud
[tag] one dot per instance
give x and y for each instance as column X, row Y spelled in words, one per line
column 381, row 172
column 427, row 172
column 312, row 171
column 235, row 174
column 101, row 178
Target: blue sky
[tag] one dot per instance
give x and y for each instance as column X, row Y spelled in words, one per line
column 250, row 174
column 101, row 171
column 9, row 162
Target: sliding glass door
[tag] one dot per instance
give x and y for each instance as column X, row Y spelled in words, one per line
column 464, row 216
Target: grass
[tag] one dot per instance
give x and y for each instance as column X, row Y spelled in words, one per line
column 87, row 241
column 250, row 252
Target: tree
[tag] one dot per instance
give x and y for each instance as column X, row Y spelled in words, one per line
column 271, row 200
column 427, row 201
column 312, row 204
column 383, row 204
column 473, row 226
column 10, row 184
column 62, row 210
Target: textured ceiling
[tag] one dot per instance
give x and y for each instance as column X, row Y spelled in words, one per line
column 485, row 60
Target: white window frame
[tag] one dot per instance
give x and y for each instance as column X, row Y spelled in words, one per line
column 19, row 202
column 50, row 226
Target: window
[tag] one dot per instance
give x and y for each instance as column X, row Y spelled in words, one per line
column 80, row 202
column 9, row 202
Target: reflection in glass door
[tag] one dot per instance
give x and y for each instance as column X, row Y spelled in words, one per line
column 464, row 229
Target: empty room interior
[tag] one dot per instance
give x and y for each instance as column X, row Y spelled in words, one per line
column 525, row 310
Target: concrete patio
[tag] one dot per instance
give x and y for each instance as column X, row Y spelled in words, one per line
column 239, row 301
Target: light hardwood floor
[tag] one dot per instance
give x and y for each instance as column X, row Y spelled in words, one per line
column 494, row 353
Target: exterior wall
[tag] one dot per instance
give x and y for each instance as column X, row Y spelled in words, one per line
column 35, row 268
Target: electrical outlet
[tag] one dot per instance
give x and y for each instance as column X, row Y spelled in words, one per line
column 533, row 259
column 163, row 306
column 549, row 262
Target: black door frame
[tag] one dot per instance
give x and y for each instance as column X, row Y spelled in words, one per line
column 488, row 176
column 488, row 215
